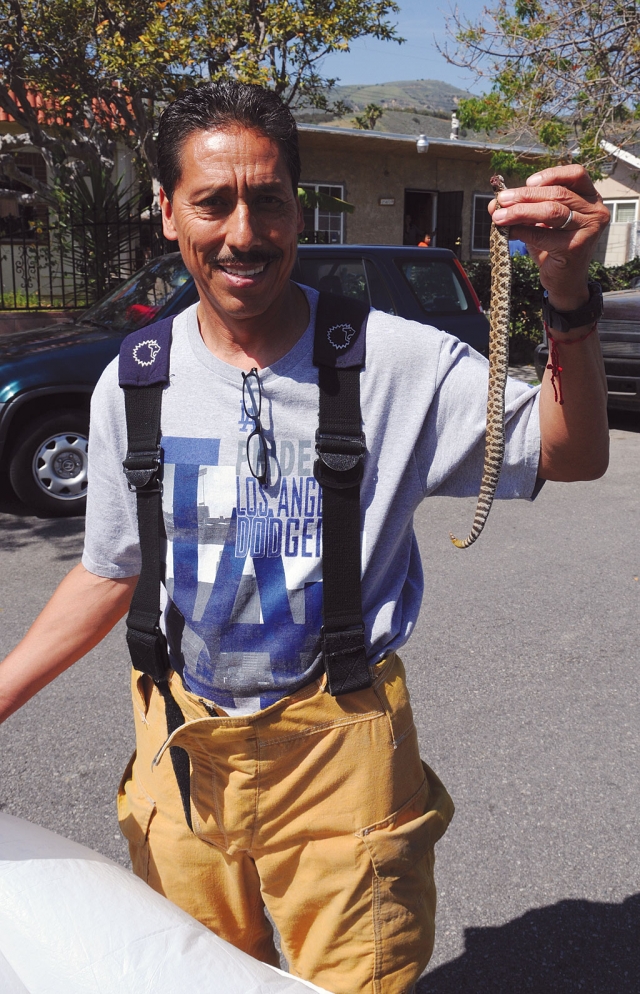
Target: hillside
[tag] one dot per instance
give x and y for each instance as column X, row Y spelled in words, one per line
column 411, row 107
column 421, row 94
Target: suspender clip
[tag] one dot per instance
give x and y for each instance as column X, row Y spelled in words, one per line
column 341, row 459
column 345, row 660
column 143, row 470
column 149, row 653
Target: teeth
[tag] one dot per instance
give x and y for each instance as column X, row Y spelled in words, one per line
column 243, row 272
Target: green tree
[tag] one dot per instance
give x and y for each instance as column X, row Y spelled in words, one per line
column 103, row 70
column 566, row 70
column 369, row 117
column 281, row 43
column 77, row 76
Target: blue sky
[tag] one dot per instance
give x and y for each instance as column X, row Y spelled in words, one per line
column 372, row 61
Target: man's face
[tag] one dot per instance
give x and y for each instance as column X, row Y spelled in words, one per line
column 236, row 219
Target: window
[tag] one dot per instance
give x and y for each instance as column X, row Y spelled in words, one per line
column 322, row 227
column 622, row 210
column 18, row 219
column 357, row 278
column 436, row 285
column 481, row 222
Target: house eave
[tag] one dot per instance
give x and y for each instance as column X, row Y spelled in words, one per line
column 405, row 141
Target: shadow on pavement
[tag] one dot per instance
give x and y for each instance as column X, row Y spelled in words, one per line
column 580, row 946
column 22, row 526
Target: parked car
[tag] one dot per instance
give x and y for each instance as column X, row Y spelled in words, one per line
column 47, row 375
column 619, row 331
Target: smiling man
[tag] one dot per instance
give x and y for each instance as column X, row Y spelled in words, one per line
column 255, row 783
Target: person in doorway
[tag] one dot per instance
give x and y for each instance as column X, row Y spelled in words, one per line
column 426, row 241
column 317, row 806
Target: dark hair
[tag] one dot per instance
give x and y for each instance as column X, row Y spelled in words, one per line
column 212, row 106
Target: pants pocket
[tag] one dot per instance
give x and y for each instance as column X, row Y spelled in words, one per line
column 403, row 890
column 135, row 811
column 396, row 843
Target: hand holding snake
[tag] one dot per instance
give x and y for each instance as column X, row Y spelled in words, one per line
column 560, row 216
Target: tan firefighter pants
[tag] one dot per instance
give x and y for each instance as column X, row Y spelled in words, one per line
column 317, row 807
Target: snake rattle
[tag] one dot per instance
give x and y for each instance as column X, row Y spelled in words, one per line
column 498, row 370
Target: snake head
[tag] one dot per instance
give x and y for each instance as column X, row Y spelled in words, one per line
column 498, row 183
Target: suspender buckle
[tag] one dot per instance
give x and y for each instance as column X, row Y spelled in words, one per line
column 149, row 653
column 143, row 470
column 341, row 459
column 345, row 660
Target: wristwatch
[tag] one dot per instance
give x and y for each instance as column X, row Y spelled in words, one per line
column 566, row 320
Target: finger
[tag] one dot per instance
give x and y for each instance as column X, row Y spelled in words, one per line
column 550, row 213
column 538, row 194
column 575, row 177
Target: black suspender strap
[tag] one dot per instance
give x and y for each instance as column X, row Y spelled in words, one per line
column 143, row 374
column 143, row 468
column 339, row 353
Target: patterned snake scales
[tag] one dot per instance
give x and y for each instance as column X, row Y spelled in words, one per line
column 498, row 370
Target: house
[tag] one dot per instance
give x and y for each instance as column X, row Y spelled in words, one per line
column 444, row 191
column 399, row 194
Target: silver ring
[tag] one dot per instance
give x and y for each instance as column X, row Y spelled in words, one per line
column 568, row 221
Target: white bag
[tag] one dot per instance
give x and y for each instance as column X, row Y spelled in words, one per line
column 74, row 922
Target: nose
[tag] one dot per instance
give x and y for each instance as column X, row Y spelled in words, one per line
column 241, row 233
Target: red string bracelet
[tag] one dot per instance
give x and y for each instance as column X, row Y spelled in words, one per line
column 554, row 365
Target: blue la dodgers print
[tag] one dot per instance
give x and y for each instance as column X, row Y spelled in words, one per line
column 243, row 570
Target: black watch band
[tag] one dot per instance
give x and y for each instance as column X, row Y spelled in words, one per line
column 566, row 320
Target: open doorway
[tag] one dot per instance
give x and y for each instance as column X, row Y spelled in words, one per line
column 449, row 222
column 419, row 216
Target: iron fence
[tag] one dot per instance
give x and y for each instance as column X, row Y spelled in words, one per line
column 53, row 263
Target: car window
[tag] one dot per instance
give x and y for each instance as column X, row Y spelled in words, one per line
column 344, row 277
column 135, row 303
column 378, row 290
column 436, row 285
column 359, row 278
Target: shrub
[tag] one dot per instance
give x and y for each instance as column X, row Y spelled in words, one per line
column 526, row 310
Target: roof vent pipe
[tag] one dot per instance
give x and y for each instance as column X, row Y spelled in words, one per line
column 455, row 126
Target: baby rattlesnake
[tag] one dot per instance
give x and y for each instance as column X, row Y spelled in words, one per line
column 498, row 371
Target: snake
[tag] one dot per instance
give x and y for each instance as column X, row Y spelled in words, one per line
column 500, row 262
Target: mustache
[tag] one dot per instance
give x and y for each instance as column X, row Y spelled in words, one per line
column 255, row 257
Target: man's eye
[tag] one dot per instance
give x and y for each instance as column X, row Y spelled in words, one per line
column 213, row 204
column 268, row 201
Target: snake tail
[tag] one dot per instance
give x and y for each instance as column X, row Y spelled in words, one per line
column 498, row 371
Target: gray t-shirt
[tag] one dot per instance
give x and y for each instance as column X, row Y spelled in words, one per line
column 243, row 589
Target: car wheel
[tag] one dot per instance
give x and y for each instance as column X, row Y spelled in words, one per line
column 48, row 468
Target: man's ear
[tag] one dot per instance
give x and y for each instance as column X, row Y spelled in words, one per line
column 168, row 226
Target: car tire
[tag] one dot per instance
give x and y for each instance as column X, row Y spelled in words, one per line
column 48, row 467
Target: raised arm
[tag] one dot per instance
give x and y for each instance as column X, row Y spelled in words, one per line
column 560, row 216
column 84, row 608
